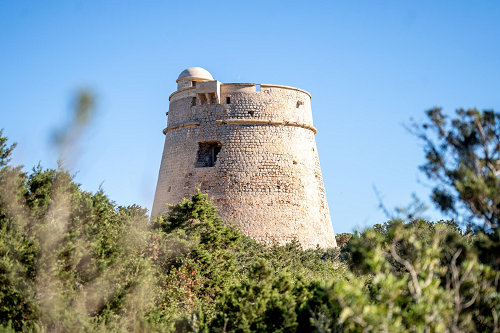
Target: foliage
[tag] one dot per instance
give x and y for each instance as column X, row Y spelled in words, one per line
column 68, row 258
column 72, row 260
column 264, row 303
column 343, row 238
column 420, row 276
column 405, row 277
column 463, row 159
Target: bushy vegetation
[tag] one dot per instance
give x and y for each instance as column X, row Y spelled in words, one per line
column 74, row 261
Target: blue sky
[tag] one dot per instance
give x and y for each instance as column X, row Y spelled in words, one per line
column 369, row 65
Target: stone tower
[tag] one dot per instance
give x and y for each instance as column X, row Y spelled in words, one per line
column 251, row 147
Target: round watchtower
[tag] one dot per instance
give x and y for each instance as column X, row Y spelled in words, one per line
column 252, row 149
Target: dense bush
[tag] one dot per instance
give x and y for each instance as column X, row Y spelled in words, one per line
column 74, row 261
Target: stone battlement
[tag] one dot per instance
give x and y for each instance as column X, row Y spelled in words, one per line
column 233, row 87
column 273, row 104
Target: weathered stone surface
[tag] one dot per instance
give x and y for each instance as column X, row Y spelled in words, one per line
column 266, row 178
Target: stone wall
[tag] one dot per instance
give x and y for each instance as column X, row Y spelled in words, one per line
column 266, row 178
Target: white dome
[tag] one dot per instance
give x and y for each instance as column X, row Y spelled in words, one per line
column 195, row 73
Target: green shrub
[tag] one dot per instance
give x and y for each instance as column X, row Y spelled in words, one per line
column 73, row 261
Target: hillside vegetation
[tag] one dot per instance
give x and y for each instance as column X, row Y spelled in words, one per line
column 74, row 261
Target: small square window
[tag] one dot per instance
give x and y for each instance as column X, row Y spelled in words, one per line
column 193, row 83
column 228, row 100
column 207, row 154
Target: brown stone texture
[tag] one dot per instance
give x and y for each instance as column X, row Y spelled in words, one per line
column 267, row 177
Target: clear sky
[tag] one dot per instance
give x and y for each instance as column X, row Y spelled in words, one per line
column 369, row 65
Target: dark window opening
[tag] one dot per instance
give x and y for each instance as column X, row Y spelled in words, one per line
column 193, row 83
column 203, row 99
column 207, row 154
column 216, row 152
column 169, row 188
column 228, row 100
column 193, row 101
column 251, row 112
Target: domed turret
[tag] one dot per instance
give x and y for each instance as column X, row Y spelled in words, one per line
column 195, row 73
column 190, row 76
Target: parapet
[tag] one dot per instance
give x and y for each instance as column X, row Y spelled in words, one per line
column 198, row 82
column 220, row 89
